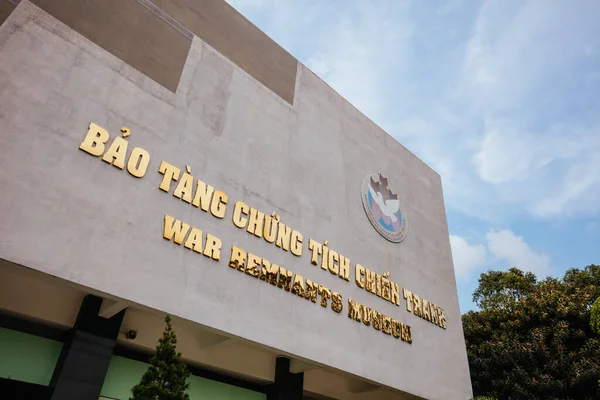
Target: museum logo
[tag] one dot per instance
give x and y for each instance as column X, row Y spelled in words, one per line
column 383, row 208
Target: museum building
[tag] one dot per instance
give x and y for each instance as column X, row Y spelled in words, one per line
column 166, row 157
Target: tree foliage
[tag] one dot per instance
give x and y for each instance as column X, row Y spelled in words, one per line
column 166, row 377
column 499, row 289
column 595, row 316
column 532, row 339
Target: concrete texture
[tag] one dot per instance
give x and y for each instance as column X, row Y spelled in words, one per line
column 72, row 215
column 6, row 8
column 128, row 30
column 227, row 31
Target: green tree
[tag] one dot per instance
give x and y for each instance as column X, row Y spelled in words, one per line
column 498, row 289
column 532, row 339
column 595, row 316
column 166, row 377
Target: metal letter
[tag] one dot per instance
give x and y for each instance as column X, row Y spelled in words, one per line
column 238, row 258
column 296, row 243
column 336, row 302
column 203, row 195
column 345, row 268
column 285, row 279
column 408, row 296
column 359, row 272
column 219, row 204
column 255, row 222
column 194, row 240
column 316, row 249
column 138, row 162
column 95, row 139
column 298, row 286
column 175, row 228
column 354, row 309
column 116, row 153
column 332, row 262
column 212, row 247
column 240, row 209
column 170, row 173
column 253, row 263
column 387, row 324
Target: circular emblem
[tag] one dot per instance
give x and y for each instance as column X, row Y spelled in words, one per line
column 383, row 208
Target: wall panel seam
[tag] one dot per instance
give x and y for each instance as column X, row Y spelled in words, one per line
column 167, row 18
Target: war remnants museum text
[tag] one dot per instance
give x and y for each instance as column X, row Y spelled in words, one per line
column 268, row 226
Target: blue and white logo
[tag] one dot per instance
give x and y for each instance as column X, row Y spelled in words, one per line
column 383, row 208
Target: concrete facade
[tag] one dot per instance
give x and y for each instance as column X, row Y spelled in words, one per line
column 75, row 217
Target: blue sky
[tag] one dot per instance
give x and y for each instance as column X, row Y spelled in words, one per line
column 501, row 97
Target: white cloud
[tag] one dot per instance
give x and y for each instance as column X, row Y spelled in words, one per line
column 577, row 190
column 355, row 59
column 507, row 154
column 525, row 71
column 497, row 99
column 467, row 257
column 513, row 250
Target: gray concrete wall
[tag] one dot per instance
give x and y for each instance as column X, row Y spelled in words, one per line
column 69, row 214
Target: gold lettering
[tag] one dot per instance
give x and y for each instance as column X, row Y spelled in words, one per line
column 95, row 140
column 285, row 279
column 371, row 285
column 284, row 234
column 385, row 289
column 332, row 262
column 316, row 249
column 184, row 188
column 442, row 317
column 238, row 258
column 325, row 258
column 268, row 272
column 194, row 240
column 253, row 263
column 359, row 272
column 270, row 229
column 434, row 314
column 354, row 310
column 376, row 320
column 406, row 334
column 325, row 295
column 366, row 314
column 408, row 296
column 378, row 284
column 396, row 329
column 296, row 243
column 255, row 222
column 203, row 195
column 138, row 162
column 426, row 313
column 298, row 286
column 116, row 153
column 417, row 305
column 395, row 294
column 212, row 247
column 170, row 173
column 311, row 291
column 219, row 204
column 240, row 209
column 336, row 302
column 345, row 268
column 387, row 324
column 174, row 227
